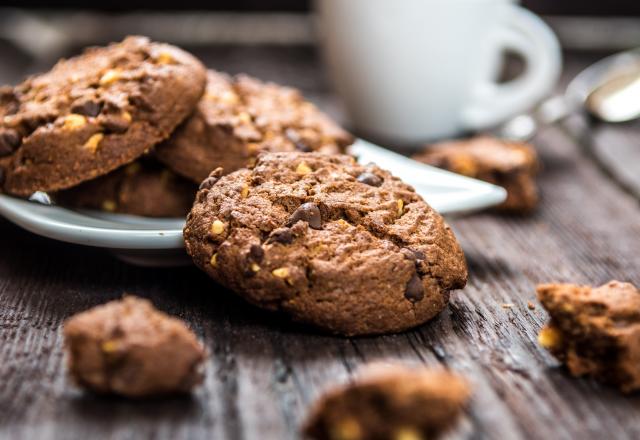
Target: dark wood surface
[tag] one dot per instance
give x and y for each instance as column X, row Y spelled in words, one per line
column 263, row 372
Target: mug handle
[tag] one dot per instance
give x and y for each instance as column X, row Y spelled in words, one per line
column 527, row 35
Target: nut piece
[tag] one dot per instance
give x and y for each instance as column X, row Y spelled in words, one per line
column 245, row 191
column 244, row 117
column 127, row 347
column 281, row 272
column 303, row 169
column 594, row 331
column 217, row 227
column 74, row 122
column 407, row 434
column 400, row 204
column 389, row 401
column 214, row 260
column 93, row 142
column 550, row 338
column 109, row 77
column 165, row 58
column 109, row 206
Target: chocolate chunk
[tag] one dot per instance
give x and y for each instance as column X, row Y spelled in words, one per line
column 295, row 137
column 308, row 212
column 214, row 176
column 9, row 140
column 208, row 183
column 301, row 146
column 412, row 254
column 141, row 102
column 408, row 253
column 415, row 290
column 418, row 254
column 115, row 123
column 256, row 253
column 282, row 235
column 87, row 107
column 2, row 173
column 369, row 179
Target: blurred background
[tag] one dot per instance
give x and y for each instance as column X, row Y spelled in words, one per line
column 272, row 39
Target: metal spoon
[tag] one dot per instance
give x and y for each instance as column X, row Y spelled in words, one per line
column 609, row 90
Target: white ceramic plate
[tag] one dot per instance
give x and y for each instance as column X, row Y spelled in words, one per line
column 158, row 242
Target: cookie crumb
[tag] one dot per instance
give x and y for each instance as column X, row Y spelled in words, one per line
column 531, row 306
column 128, row 347
column 507, row 305
column 389, row 401
column 512, row 165
column 594, row 331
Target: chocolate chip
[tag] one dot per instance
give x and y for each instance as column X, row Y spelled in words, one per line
column 295, row 137
column 256, row 253
column 115, row 123
column 413, row 254
column 419, row 254
column 208, row 182
column 214, row 176
column 415, row 290
column 282, row 235
column 87, row 107
column 301, row 146
column 140, row 101
column 11, row 108
column 10, row 140
column 308, row 212
column 408, row 253
column 369, row 179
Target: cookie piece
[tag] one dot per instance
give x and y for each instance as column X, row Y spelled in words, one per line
column 141, row 188
column 240, row 117
column 595, row 331
column 304, row 234
column 129, row 348
column 512, row 165
column 94, row 113
column 389, row 401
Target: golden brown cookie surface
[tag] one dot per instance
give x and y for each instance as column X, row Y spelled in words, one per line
column 345, row 247
column 94, row 113
column 240, row 117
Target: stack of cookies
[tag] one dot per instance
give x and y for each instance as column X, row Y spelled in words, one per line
column 135, row 127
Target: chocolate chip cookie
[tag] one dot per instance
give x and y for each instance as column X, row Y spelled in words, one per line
column 238, row 118
column 129, row 348
column 388, row 401
column 512, row 165
column 93, row 113
column 595, row 331
column 143, row 187
column 346, row 247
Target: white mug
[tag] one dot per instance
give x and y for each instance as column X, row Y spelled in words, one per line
column 412, row 71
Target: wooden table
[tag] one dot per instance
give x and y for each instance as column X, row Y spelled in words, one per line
column 263, row 373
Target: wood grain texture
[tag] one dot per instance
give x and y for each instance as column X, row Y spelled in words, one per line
column 264, row 372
